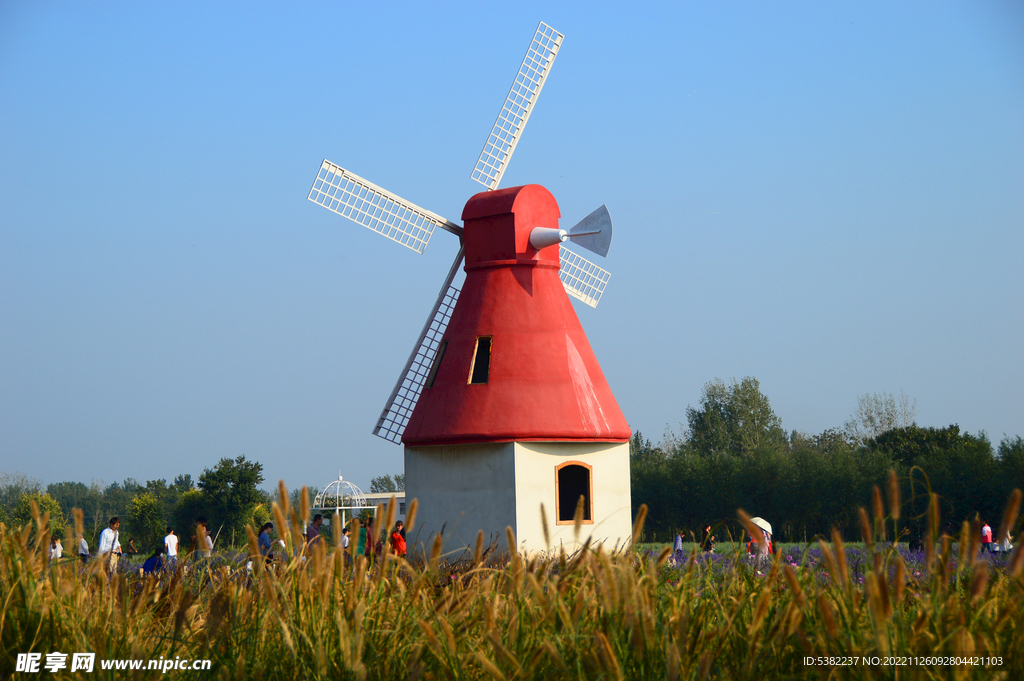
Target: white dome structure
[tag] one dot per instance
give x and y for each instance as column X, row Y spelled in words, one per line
column 340, row 496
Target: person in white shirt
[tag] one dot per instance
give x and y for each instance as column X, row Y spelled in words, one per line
column 171, row 542
column 110, row 545
column 83, row 549
column 205, row 540
column 56, row 550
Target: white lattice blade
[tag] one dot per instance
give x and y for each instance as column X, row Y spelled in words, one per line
column 398, row 410
column 581, row 278
column 363, row 202
column 517, row 107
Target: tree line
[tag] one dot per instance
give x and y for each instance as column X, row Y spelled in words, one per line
column 734, row 453
column 228, row 496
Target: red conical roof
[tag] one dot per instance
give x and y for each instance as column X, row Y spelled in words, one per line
column 543, row 380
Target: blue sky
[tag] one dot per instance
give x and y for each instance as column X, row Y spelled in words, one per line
column 828, row 197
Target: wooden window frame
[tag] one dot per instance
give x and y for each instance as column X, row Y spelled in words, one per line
column 590, row 494
column 472, row 363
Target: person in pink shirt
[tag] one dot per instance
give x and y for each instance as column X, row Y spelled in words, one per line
column 986, row 538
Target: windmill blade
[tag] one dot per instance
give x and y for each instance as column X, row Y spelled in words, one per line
column 517, row 107
column 398, row 410
column 363, row 202
column 581, row 278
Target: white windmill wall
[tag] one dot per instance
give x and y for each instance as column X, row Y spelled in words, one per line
column 536, row 482
column 472, row 487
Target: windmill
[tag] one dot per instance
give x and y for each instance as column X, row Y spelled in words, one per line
column 345, row 193
column 502, row 405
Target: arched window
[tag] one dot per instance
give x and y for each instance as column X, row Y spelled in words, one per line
column 574, row 479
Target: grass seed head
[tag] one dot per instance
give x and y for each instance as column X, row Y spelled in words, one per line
column 1009, row 515
column 972, row 541
column 304, row 504
column 410, row 517
column 876, row 503
column 1013, row 568
column 979, row 580
column 282, row 500
column 865, row 527
column 544, row 527
column 894, row 495
column 638, row 524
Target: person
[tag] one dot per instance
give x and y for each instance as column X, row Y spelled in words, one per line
column 110, row 544
column 83, row 548
column 371, row 538
column 765, row 547
column 265, row 543
column 205, row 540
column 762, row 545
column 677, row 547
column 171, row 546
column 397, row 540
column 1007, row 545
column 56, row 550
column 986, row 538
column 132, row 551
column 153, row 563
column 709, row 540
column 313, row 531
column 361, row 541
column 344, row 538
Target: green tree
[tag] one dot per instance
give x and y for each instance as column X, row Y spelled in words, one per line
column 647, row 481
column 736, row 419
column 232, row 490
column 13, row 486
column 183, row 483
column 192, row 505
column 46, row 504
column 388, row 483
column 960, row 467
column 146, row 521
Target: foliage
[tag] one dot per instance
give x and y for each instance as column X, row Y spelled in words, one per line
column 13, row 486
column 23, row 513
column 588, row 615
column 183, row 483
column 736, row 419
column 809, row 485
column 877, row 413
column 231, row 489
column 388, row 483
column 191, row 507
column 146, row 522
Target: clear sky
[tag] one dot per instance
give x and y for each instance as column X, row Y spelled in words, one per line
column 826, row 196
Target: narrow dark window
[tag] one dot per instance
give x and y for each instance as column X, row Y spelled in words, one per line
column 573, row 482
column 437, row 364
column 481, row 360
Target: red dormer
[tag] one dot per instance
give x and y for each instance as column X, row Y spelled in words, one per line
column 514, row 363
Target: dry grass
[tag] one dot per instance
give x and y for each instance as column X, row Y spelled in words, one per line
column 588, row 615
